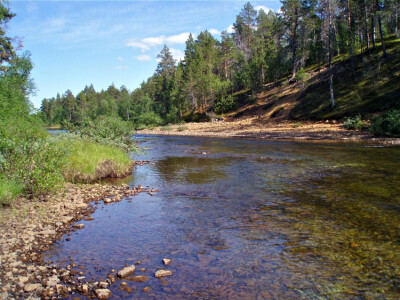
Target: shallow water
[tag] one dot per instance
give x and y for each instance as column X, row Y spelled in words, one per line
column 251, row 219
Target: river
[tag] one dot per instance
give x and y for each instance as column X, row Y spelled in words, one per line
column 250, row 219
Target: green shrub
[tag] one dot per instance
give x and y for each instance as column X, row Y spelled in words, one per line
column 354, row 123
column 387, row 125
column 302, row 75
column 8, row 191
column 29, row 157
column 225, row 104
column 107, row 130
column 148, row 118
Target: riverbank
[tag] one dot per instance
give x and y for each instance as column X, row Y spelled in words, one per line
column 254, row 127
column 31, row 226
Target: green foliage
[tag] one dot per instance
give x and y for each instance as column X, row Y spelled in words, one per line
column 355, row 123
column 225, row 104
column 107, row 130
column 387, row 125
column 29, row 157
column 302, row 75
column 8, row 191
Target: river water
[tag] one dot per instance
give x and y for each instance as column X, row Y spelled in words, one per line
column 251, row 219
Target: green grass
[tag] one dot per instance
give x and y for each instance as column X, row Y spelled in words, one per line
column 182, row 128
column 375, row 89
column 8, row 191
column 166, row 128
column 89, row 161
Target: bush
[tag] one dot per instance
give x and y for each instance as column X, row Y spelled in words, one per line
column 28, row 156
column 354, row 123
column 387, row 125
column 148, row 119
column 107, row 130
column 225, row 104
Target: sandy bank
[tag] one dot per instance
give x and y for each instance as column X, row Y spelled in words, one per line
column 254, row 128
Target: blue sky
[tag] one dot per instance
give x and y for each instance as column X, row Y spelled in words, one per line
column 77, row 43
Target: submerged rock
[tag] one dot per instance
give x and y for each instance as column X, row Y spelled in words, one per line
column 163, row 273
column 126, row 271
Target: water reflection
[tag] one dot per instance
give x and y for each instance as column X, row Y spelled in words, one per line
column 252, row 219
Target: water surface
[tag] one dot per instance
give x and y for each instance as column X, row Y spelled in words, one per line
column 249, row 219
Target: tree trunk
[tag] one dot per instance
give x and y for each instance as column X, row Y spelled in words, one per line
column 330, row 58
column 378, row 7
column 294, row 43
column 373, row 30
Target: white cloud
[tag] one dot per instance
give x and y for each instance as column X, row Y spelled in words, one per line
column 120, row 68
column 230, row 29
column 177, row 39
column 214, row 31
column 177, row 54
column 143, row 57
column 264, row 8
column 151, row 42
column 134, row 44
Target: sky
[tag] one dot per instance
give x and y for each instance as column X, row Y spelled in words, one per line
column 78, row 43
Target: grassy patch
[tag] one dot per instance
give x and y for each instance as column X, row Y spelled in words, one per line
column 166, row 128
column 8, row 191
column 89, row 161
column 182, row 128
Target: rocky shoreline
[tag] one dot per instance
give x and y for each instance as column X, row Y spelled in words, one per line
column 33, row 225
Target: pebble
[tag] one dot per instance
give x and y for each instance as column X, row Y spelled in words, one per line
column 126, row 271
column 167, row 261
column 103, row 293
column 163, row 273
column 30, row 287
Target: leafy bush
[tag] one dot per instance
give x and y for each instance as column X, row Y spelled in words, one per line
column 107, row 130
column 147, row 119
column 29, row 157
column 354, row 123
column 387, row 125
column 225, row 104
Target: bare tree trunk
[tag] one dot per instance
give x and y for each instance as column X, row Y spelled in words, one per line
column 396, row 16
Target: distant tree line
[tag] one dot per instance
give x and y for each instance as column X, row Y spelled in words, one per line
column 263, row 48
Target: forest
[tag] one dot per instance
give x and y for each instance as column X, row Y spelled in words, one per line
column 263, row 48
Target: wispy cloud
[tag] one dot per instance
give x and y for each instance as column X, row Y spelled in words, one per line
column 151, row 42
column 143, row 57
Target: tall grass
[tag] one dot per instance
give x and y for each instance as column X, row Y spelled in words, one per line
column 89, row 161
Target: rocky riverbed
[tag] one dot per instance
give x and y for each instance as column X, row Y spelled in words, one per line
column 31, row 226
